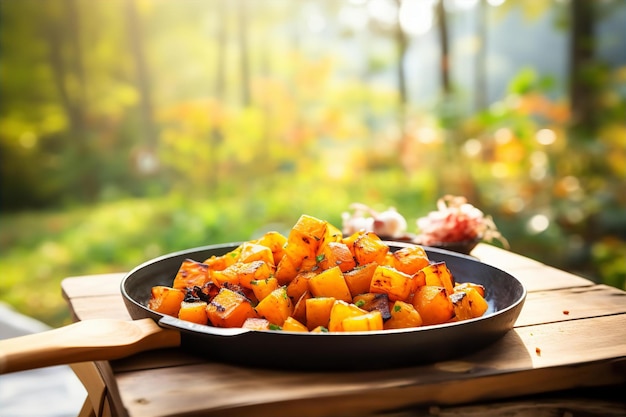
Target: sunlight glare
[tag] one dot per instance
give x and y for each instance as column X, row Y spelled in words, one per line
column 473, row 147
column 416, row 16
column 503, row 135
column 545, row 136
column 354, row 18
column 464, row 4
column 538, row 223
column 496, row 3
column 316, row 22
column 383, row 10
column 426, row 135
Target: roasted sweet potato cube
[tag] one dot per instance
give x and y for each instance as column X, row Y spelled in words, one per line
column 360, row 278
column 463, row 285
column 191, row 274
column 299, row 285
column 255, row 270
column 330, row 283
column 332, row 234
column 410, row 259
column 299, row 308
column 468, row 303
column 308, row 231
column 403, row 315
column 276, row 307
column 287, row 269
column 229, row 309
column 433, row 305
column 256, row 323
column 275, row 241
column 166, row 300
column 335, row 254
column 371, row 321
column 293, row 325
column 397, row 285
column 318, row 311
column 437, row 274
column 340, row 311
column 229, row 275
column 218, row 263
column 194, row 312
column 251, row 252
column 320, row 329
column 369, row 248
column 373, row 301
column 263, row 287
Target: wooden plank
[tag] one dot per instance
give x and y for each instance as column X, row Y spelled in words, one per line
column 527, row 360
column 92, row 285
column 571, row 303
column 547, row 278
column 502, row 258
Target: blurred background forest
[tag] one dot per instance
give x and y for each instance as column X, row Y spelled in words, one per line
column 134, row 128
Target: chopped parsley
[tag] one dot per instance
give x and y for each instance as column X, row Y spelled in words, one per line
column 360, row 303
column 397, row 308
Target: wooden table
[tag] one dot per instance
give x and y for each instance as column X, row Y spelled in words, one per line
column 566, row 352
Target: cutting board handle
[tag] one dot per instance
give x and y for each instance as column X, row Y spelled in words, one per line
column 89, row 340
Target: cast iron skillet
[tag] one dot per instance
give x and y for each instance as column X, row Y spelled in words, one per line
column 335, row 351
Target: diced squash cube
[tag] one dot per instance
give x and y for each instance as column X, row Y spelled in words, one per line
column 255, row 270
column 334, row 254
column 433, row 305
column 403, row 316
column 276, row 307
column 263, row 287
column 256, row 323
column 194, row 312
column 275, row 241
column 299, row 309
column 191, row 274
column 369, row 248
column 292, row 325
column 330, row 283
column 463, row 285
column 340, row 311
column 287, row 268
column 308, row 231
column 228, row 275
column 218, row 263
column 318, row 311
column 437, row 274
column 360, row 278
column 229, row 309
column 468, row 303
column 299, row 285
column 319, row 329
column 371, row 321
column 410, row 259
column 371, row 301
column 397, row 285
column 254, row 252
column 166, row 300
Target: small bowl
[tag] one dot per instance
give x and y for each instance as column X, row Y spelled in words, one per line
column 463, row 246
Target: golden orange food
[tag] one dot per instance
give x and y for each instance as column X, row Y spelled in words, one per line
column 316, row 280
